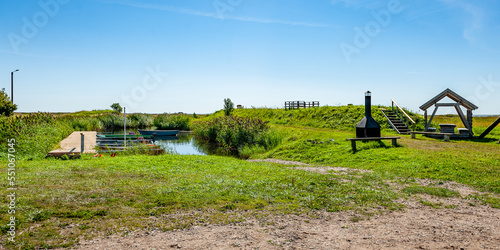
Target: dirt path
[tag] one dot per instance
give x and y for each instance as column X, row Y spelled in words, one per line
column 462, row 225
column 417, row 227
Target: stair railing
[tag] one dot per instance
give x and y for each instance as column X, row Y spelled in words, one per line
column 406, row 117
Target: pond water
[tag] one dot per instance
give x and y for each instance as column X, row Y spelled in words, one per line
column 183, row 144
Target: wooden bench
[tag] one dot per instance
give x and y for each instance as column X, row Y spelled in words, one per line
column 354, row 140
column 446, row 135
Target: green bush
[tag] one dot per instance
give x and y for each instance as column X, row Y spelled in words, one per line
column 7, row 108
column 177, row 122
column 237, row 134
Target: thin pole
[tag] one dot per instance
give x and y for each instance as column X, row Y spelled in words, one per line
column 82, row 143
column 124, row 128
column 12, row 87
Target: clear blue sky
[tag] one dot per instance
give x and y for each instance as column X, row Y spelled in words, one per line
column 158, row 56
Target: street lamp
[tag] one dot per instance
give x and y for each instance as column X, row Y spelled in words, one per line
column 12, row 85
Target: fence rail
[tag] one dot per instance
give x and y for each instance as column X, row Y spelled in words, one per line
column 403, row 115
column 300, row 104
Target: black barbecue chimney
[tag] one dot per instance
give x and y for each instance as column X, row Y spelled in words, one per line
column 368, row 127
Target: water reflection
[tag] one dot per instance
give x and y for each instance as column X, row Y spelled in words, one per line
column 183, row 144
column 186, row 144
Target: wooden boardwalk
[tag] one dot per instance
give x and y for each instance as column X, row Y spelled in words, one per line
column 72, row 144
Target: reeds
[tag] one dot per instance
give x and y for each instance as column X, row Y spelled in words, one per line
column 235, row 133
column 177, row 122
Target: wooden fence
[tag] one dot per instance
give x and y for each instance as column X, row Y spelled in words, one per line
column 300, row 104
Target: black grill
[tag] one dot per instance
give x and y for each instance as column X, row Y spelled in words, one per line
column 368, row 127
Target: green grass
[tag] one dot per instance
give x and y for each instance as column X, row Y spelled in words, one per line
column 471, row 163
column 105, row 194
column 435, row 205
column 336, row 117
column 34, row 134
column 479, row 124
column 61, row 201
column 435, row 191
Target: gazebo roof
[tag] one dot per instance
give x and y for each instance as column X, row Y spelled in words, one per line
column 452, row 95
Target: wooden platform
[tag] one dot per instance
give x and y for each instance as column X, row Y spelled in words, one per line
column 446, row 136
column 71, row 146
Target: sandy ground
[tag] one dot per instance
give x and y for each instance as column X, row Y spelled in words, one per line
column 462, row 225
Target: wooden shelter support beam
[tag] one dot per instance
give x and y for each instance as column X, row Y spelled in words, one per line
column 425, row 117
column 491, row 127
column 464, row 121
column 469, row 117
column 447, row 104
column 430, row 120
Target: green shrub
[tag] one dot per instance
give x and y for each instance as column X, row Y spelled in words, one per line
column 177, row 122
column 228, row 106
column 7, row 108
column 237, row 133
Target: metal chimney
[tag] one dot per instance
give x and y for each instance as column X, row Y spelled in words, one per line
column 368, row 127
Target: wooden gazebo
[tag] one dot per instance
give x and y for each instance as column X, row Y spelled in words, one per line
column 459, row 101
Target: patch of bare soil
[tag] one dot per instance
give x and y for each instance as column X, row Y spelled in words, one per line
column 417, row 227
column 312, row 168
column 458, row 224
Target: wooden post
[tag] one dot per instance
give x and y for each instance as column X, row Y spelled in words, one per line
column 430, row 120
column 425, row 117
column 82, row 143
column 124, row 129
column 464, row 121
column 446, row 138
column 353, row 144
column 469, row 117
column 395, row 142
column 413, row 135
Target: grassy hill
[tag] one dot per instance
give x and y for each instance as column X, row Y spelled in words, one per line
column 334, row 117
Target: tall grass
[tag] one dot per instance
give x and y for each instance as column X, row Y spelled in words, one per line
column 178, row 122
column 35, row 134
column 237, row 133
column 140, row 120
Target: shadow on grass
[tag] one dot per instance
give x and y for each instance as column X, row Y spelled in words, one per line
column 364, row 145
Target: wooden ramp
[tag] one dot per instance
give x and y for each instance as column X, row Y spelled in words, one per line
column 488, row 130
column 72, row 144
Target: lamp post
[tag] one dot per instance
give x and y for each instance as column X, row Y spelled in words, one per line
column 12, row 85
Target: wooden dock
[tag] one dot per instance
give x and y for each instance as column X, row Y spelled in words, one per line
column 72, row 144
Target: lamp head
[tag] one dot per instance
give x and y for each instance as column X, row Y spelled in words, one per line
column 368, row 93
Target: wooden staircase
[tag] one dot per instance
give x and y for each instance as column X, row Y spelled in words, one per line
column 395, row 122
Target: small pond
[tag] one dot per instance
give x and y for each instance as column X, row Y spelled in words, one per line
column 183, row 144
